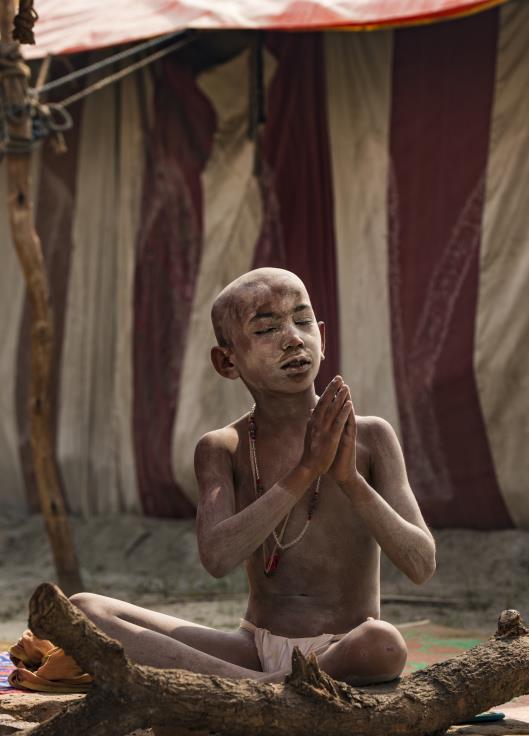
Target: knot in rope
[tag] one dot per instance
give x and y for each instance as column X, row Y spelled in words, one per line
column 24, row 22
column 50, row 118
column 13, row 72
column 11, row 63
column 46, row 119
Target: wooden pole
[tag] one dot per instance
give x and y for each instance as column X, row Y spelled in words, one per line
column 29, row 252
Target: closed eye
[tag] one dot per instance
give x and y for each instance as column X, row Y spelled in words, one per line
column 304, row 322
column 263, row 332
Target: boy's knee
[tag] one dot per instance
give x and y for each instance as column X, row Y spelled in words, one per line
column 80, row 599
column 85, row 602
column 374, row 652
column 386, row 646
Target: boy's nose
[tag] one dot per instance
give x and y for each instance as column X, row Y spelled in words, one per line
column 292, row 340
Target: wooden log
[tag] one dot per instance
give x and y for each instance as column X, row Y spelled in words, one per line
column 29, row 251
column 128, row 696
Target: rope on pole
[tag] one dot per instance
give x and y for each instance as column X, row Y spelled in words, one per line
column 110, row 60
column 46, row 119
column 24, row 21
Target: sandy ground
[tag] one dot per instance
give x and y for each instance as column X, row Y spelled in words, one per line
column 154, row 563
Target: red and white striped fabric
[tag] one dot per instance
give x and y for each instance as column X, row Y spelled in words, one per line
column 394, row 182
column 80, row 25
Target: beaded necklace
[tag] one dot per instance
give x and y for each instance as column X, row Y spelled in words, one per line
column 271, row 564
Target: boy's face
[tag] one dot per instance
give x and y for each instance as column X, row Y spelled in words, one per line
column 276, row 343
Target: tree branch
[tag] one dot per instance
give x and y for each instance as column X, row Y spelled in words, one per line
column 127, row 696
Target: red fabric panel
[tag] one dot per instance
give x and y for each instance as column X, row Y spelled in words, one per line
column 169, row 247
column 298, row 232
column 53, row 219
column 443, row 86
column 305, row 14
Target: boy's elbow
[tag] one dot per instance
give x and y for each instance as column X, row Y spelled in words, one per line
column 424, row 568
column 216, row 566
column 432, row 568
column 420, row 564
column 217, row 570
column 419, row 577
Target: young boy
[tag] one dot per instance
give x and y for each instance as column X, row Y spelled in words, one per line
column 303, row 492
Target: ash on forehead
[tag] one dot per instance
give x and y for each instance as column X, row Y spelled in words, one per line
column 232, row 302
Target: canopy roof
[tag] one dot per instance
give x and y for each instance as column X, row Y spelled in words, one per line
column 78, row 25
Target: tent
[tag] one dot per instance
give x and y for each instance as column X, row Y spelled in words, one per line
column 392, row 177
column 88, row 24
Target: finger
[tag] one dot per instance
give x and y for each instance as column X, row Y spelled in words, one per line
column 327, row 396
column 349, row 431
column 340, row 397
column 352, row 418
column 342, row 417
column 331, row 411
column 344, row 388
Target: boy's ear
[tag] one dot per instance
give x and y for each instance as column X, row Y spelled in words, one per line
column 220, row 357
column 321, row 326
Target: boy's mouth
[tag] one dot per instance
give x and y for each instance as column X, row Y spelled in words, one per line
column 296, row 365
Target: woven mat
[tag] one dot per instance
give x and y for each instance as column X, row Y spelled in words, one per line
column 6, row 666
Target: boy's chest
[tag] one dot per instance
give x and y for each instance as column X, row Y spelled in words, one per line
column 275, row 458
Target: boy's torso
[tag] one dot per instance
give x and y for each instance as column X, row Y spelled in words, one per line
column 330, row 581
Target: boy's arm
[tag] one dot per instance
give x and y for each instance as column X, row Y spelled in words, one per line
column 226, row 538
column 391, row 511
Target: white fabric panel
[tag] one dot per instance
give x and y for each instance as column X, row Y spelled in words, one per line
column 131, row 165
column 87, row 441
column 358, row 71
column 233, row 216
column 12, row 290
column 501, row 355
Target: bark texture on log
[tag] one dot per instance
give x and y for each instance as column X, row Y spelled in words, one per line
column 127, row 696
column 34, row 707
column 14, row 83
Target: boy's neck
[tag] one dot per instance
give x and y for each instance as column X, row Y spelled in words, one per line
column 274, row 410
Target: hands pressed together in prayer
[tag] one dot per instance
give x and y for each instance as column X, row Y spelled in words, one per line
column 330, row 438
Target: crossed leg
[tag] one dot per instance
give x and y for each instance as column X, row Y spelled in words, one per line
column 167, row 642
column 374, row 651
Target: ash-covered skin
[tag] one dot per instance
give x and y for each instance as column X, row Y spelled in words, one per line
column 249, row 316
column 268, row 337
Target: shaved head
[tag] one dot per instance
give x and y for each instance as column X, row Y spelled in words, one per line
column 238, row 297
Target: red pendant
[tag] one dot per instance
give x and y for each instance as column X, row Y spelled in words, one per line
column 271, row 565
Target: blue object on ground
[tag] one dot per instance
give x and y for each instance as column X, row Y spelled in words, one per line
column 489, row 716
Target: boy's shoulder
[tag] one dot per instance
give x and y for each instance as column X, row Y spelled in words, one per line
column 373, row 424
column 374, row 432
column 226, row 438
